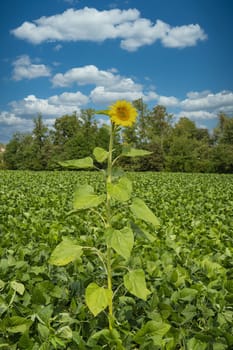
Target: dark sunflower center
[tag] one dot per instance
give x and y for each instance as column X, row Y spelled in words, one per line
column 122, row 113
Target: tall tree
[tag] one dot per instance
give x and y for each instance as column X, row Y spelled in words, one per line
column 40, row 144
column 224, row 131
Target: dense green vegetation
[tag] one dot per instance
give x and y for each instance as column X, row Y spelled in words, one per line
column 187, row 263
column 176, row 147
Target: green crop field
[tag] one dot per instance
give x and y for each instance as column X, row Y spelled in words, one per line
column 187, row 260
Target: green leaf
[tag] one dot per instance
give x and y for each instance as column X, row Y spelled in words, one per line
column 151, row 329
column 195, row 344
column 84, row 163
column 2, row 284
column 85, row 198
column 141, row 232
column 135, row 283
column 66, row 252
column 122, row 241
column 65, row 332
column 141, row 211
column 100, row 154
column 109, row 337
column 97, row 298
column 122, row 190
column 134, row 152
column 18, row 324
column 188, row 294
column 43, row 331
column 25, row 342
column 219, row 346
column 18, row 287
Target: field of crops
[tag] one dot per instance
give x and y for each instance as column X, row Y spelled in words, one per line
column 187, row 260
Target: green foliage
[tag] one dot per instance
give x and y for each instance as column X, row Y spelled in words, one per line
column 135, row 282
column 186, row 260
column 97, row 298
column 84, row 198
column 132, row 152
column 84, row 163
column 141, row 211
column 121, row 241
column 121, row 190
column 66, row 252
column 180, row 147
column 100, row 154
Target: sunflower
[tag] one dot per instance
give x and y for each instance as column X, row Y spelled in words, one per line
column 122, row 113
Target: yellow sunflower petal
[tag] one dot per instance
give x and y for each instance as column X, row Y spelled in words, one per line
column 123, row 113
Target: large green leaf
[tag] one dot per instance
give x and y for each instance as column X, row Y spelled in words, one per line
column 151, row 329
column 100, row 154
column 97, row 298
column 18, row 324
column 141, row 211
column 135, row 283
column 121, row 241
column 121, row 190
column 66, row 252
column 195, row 344
column 134, row 152
column 84, row 163
column 84, row 198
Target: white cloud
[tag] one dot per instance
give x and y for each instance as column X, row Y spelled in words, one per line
column 11, row 119
column 25, row 69
column 184, row 36
column 168, row 101
column 69, row 98
column 108, row 85
column 202, row 114
column 91, row 75
column 193, row 95
column 208, row 100
column 100, row 95
column 56, row 105
column 94, row 25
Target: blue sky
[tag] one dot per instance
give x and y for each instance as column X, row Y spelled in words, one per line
column 60, row 56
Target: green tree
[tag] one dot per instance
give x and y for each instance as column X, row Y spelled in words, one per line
column 19, row 152
column 189, row 149
column 223, row 133
column 222, row 155
column 158, row 134
column 40, row 147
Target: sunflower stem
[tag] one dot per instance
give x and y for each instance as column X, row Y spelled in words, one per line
column 108, row 225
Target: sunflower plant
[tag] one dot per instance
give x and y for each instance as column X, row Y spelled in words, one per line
column 118, row 241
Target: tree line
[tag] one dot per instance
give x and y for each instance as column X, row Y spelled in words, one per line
column 175, row 147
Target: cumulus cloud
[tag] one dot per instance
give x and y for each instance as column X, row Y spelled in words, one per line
column 207, row 100
column 10, row 119
column 56, row 105
column 168, row 101
column 108, row 84
column 202, row 114
column 100, row 95
column 183, row 36
column 91, row 75
column 93, row 25
column 25, row 69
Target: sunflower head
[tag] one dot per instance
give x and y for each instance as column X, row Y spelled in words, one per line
column 122, row 113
